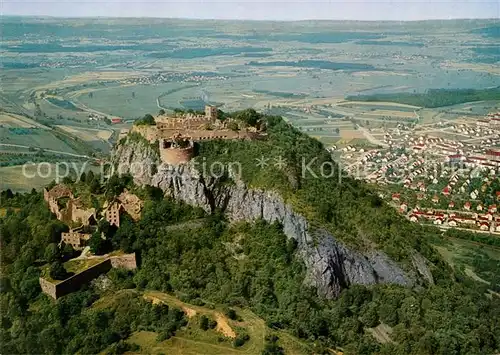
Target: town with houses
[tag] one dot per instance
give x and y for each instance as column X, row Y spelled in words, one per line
column 445, row 174
column 168, row 77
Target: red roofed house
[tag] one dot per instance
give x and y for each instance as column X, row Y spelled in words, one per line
column 468, row 220
column 396, row 197
column 467, row 206
column 492, row 208
column 488, row 216
column 446, row 190
column 451, row 204
column 484, row 226
column 498, row 195
column 116, row 120
column 439, row 220
column 493, row 153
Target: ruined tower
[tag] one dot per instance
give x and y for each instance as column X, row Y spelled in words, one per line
column 211, row 113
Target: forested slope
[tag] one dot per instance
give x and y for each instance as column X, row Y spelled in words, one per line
column 200, row 252
column 245, row 264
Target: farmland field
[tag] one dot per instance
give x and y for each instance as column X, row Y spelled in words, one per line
column 11, row 120
column 33, row 137
column 132, row 101
column 321, row 77
column 90, row 135
column 23, row 178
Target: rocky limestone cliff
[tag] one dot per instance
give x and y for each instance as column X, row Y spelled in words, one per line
column 331, row 266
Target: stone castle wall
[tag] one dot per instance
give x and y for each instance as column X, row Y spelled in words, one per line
column 48, row 288
column 76, row 239
column 75, row 282
column 72, row 212
column 126, row 261
column 80, row 215
column 53, row 206
column 192, row 128
column 112, row 214
column 153, row 133
column 148, row 132
column 175, row 155
column 218, row 134
column 182, row 123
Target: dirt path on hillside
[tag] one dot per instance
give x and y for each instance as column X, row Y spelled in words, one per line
column 190, row 313
column 223, row 326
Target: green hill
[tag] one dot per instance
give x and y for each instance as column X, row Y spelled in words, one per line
column 305, row 175
column 217, row 336
column 212, row 265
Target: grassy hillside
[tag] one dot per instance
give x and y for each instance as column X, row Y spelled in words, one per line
column 249, row 268
column 477, row 260
column 303, row 172
column 218, row 338
column 194, row 262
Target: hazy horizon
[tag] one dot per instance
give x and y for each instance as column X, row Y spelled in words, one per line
column 243, row 20
column 367, row 10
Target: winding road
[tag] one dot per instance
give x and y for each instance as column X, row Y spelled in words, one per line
column 371, row 138
column 46, row 150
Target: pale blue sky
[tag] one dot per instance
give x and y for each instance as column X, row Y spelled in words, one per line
column 260, row 10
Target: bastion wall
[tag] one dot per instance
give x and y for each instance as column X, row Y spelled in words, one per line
column 75, row 282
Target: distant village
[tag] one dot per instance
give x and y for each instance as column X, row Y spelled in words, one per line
column 165, row 77
column 446, row 175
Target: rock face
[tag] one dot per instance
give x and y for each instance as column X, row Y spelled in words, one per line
column 331, row 266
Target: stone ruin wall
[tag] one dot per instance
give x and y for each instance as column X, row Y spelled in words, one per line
column 76, row 214
column 48, row 288
column 148, row 132
column 131, row 203
column 126, row 261
column 53, row 206
column 174, row 156
column 180, row 124
column 218, row 134
column 75, row 282
column 72, row 213
column 75, row 239
column 190, row 128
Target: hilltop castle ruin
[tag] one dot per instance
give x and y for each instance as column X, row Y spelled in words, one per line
column 176, row 136
column 71, row 210
column 67, row 208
